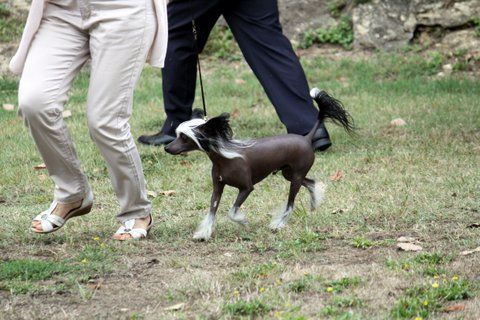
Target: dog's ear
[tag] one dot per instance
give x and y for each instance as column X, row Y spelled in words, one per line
column 217, row 127
column 197, row 114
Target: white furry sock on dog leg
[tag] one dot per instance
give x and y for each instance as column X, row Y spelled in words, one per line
column 205, row 228
column 236, row 216
column 317, row 194
column 279, row 221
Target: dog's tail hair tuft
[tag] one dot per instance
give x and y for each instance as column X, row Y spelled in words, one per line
column 330, row 108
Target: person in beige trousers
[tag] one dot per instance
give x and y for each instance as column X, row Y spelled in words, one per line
column 118, row 37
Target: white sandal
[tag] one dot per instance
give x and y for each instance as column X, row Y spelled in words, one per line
column 135, row 233
column 51, row 223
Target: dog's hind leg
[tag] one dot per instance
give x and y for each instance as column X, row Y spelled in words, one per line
column 234, row 213
column 205, row 228
column 279, row 221
column 316, row 190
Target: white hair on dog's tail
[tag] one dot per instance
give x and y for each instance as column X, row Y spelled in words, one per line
column 315, row 92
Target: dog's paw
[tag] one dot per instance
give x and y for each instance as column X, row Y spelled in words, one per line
column 277, row 225
column 239, row 218
column 200, row 236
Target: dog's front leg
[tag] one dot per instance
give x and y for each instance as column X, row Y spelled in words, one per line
column 234, row 213
column 205, row 229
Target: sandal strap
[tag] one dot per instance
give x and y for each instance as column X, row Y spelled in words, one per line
column 136, row 233
column 49, row 221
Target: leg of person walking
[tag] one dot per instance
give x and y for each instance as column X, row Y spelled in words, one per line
column 257, row 29
column 121, row 34
column 57, row 53
column 179, row 74
column 118, row 37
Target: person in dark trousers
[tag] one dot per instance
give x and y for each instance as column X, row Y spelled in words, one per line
column 256, row 27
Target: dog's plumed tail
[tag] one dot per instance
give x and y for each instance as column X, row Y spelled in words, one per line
column 330, row 108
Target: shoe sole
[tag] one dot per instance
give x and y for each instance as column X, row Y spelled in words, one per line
column 321, row 144
column 148, row 143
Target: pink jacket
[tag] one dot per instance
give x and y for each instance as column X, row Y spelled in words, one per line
column 157, row 52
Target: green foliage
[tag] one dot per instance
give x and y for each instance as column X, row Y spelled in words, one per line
column 221, row 44
column 306, row 241
column 301, row 285
column 260, row 271
column 20, row 276
column 252, row 308
column 429, row 264
column 11, row 24
column 347, row 301
column 335, row 7
column 343, row 283
column 476, row 24
column 362, row 243
column 435, row 62
column 30, row 270
column 425, row 300
column 341, row 34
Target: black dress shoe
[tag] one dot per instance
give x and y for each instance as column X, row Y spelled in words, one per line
column 156, row 139
column 321, row 139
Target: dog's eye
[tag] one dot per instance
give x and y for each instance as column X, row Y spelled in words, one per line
column 183, row 136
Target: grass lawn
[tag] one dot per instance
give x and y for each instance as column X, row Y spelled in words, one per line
column 340, row 262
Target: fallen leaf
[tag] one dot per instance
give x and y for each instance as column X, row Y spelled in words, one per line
column 2, row 200
column 124, row 309
column 455, row 307
column 41, row 166
column 168, row 192
column 406, row 239
column 8, row 107
column 152, row 194
column 227, row 254
column 405, row 246
column 474, row 225
column 338, row 211
column 177, row 306
column 67, row 113
column 239, row 81
column 336, row 176
column 468, row 252
column 235, row 113
column 42, row 177
column 96, row 285
column 184, row 163
column 398, row 122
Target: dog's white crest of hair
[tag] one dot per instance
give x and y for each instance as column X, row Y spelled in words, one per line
column 315, row 92
column 187, row 129
column 205, row 228
column 226, row 150
column 230, row 153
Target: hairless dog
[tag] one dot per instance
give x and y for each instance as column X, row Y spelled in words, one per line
column 242, row 164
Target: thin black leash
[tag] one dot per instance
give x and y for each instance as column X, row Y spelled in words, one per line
column 195, row 38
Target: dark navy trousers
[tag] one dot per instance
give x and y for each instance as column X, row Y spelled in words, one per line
column 256, row 27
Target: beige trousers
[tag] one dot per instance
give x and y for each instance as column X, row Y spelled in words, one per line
column 116, row 36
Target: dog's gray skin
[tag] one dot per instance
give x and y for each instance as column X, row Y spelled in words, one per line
column 254, row 160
